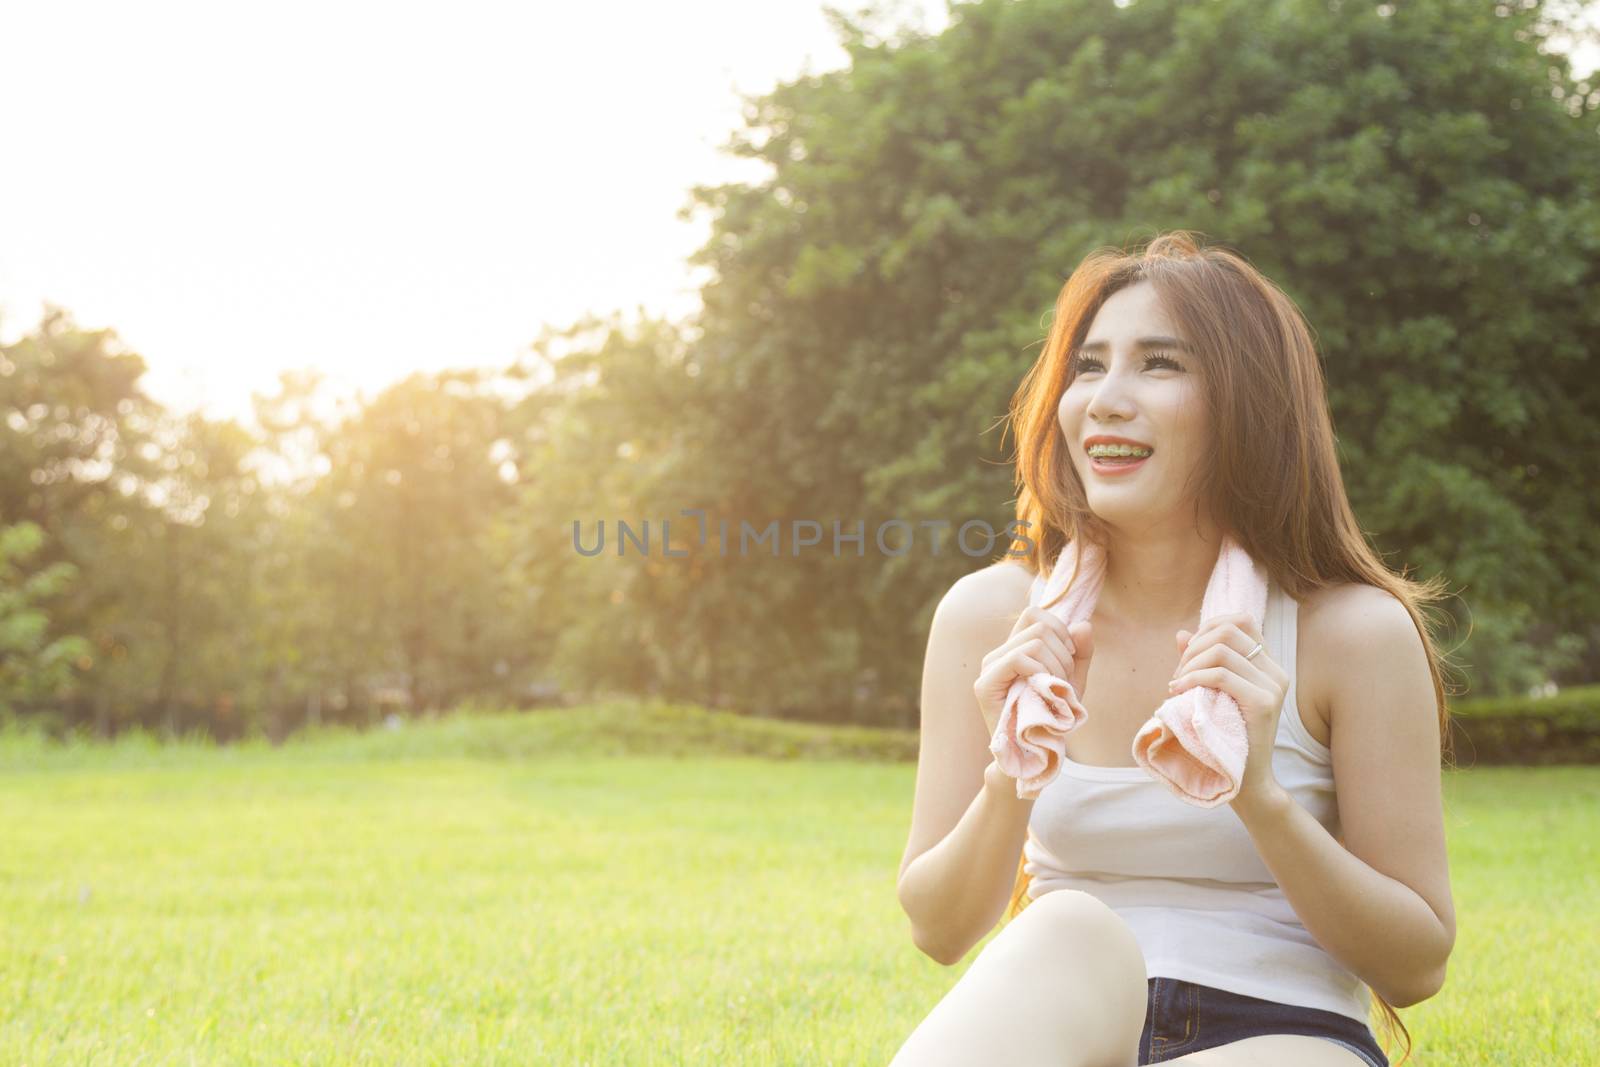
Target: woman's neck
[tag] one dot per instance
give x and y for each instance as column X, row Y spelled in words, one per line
column 1157, row 580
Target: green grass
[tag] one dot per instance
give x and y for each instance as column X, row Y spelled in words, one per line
column 515, row 889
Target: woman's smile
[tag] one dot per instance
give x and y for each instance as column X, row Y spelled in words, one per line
column 1112, row 467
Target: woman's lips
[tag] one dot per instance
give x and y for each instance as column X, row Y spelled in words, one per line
column 1102, row 467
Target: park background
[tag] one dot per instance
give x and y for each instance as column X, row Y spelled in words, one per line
column 323, row 742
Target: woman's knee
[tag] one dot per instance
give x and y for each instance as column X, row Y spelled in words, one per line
column 1063, row 982
column 1068, row 924
column 1070, row 947
column 1070, row 966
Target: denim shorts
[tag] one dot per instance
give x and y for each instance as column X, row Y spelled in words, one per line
column 1183, row 1017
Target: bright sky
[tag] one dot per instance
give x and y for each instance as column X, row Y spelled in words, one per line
column 370, row 189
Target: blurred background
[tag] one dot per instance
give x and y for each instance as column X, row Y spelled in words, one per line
column 322, row 328
column 335, row 337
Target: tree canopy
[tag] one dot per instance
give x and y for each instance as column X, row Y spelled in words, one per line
column 1420, row 178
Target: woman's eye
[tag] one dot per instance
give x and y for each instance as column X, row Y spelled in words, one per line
column 1083, row 363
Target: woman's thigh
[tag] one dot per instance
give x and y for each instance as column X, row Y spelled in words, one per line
column 1063, row 983
column 1273, row 1050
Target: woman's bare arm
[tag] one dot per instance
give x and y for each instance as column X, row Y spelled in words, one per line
column 967, row 824
column 1380, row 902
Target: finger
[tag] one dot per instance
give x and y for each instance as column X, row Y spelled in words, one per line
column 1051, row 623
column 1005, row 672
column 1020, row 638
column 1024, row 666
column 1025, row 619
column 1020, row 635
column 1224, row 654
column 1222, row 679
column 1042, row 621
column 1052, row 636
column 1031, row 616
column 1242, row 621
column 1059, row 655
column 1019, row 660
column 1039, row 651
column 1082, row 634
column 1058, row 625
column 1202, row 636
column 1262, row 666
column 1236, row 671
column 1197, row 644
column 1217, row 633
column 1210, row 677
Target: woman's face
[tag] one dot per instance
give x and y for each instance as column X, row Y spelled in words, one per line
column 1135, row 380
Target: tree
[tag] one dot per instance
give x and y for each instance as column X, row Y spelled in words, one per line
column 34, row 666
column 1422, row 178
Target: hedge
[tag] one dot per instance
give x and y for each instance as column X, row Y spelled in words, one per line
column 1564, row 728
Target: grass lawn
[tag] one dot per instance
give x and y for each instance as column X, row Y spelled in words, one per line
column 519, row 889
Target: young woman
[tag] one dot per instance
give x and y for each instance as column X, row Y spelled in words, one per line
column 1143, row 929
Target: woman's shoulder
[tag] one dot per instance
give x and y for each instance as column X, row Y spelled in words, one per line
column 1332, row 610
column 985, row 603
column 1004, row 583
column 1331, row 621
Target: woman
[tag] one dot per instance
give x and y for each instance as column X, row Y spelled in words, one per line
column 1142, row 929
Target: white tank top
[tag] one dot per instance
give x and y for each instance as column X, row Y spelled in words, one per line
column 1188, row 880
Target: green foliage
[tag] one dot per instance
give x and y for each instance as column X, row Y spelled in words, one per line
column 1575, row 706
column 619, row 727
column 33, row 664
column 373, row 571
column 1423, row 178
column 1563, row 728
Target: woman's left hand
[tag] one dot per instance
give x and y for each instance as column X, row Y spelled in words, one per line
column 1215, row 657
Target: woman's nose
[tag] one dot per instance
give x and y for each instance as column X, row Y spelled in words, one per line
column 1110, row 399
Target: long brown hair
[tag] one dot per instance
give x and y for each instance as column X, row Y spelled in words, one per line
column 1272, row 476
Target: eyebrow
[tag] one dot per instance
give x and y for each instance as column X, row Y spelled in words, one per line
column 1143, row 342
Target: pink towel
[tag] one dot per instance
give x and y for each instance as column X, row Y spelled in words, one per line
column 1195, row 743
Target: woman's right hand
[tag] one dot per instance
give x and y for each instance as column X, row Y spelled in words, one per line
column 1040, row 641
